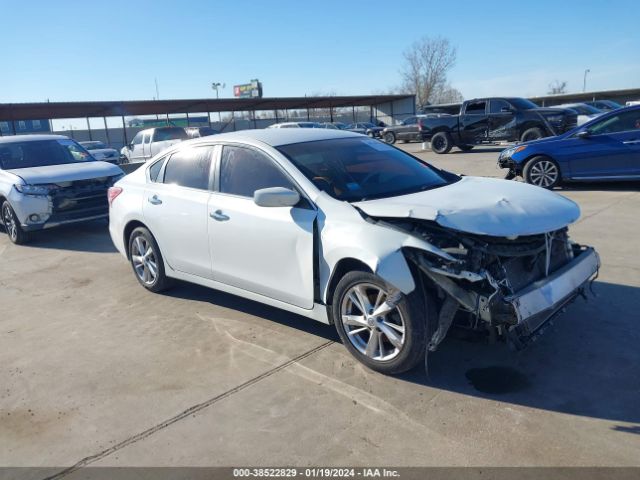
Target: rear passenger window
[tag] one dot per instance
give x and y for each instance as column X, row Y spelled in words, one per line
column 154, row 170
column 189, row 167
column 244, row 170
column 476, row 108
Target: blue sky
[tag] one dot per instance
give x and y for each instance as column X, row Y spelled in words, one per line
column 110, row 50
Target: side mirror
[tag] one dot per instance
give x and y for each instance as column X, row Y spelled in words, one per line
column 276, row 197
column 130, row 146
column 583, row 134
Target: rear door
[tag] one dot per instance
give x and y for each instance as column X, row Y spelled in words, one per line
column 265, row 250
column 612, row 149
column 502, row 120
column 408, row 129
column 175, row 210
column 474, row 122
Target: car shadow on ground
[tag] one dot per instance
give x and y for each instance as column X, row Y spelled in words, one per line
column 190, row 291
column 587, row 363
column 82, row 237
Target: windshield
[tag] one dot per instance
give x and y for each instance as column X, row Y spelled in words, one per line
column 522, row 103
column 162, row 134
column 356, row 169
column 584, row 109
column 41, row 153
column 93, row 145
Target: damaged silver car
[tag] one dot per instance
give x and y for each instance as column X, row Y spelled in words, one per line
column 351, row 231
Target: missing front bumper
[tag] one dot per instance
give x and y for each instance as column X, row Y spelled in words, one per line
column 537, row 303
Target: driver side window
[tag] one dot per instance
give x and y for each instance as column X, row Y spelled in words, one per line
column 137, row 140
column 245, row 170
column 622, row 122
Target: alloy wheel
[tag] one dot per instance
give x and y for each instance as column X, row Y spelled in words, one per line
column 9, row 222
column 372, row 321
column 544, row 173
column 144, row 260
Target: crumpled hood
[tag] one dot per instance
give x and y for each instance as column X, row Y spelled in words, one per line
column 66, row 172
column 484, row 206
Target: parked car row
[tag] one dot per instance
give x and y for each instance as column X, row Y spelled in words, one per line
column 605, row 148
column 329, row 224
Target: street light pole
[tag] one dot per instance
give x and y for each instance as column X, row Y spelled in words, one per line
column 584, row 81
column 216, row 86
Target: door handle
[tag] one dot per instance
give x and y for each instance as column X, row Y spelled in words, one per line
column 155, row 200
column 218, row 215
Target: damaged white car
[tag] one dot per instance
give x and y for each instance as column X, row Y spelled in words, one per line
column 50, row 180
column 351, row 231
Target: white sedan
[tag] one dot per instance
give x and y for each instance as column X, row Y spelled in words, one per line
column 350, row 231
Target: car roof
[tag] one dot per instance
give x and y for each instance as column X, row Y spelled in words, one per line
column 30, row 138
column 276, row 136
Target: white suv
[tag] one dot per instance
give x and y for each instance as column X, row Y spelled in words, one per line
column 50, row 180
column 151, row 141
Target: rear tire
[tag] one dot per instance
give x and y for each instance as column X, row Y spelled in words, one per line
column 146, row 261
column 12, row 225
column 531, row 134
column 441, row 143
column 543, row 172
column 389, row 137
column 400, row 333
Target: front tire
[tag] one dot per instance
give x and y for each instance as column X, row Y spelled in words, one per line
column 389, row 137
column 146, row 261
column 12, row 225
column 531, row 134
column 441, row 143
column 379, row 325
column 543, row 172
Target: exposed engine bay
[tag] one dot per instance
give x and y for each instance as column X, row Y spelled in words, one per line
column 495, row 284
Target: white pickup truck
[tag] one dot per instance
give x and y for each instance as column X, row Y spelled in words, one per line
column 148, row 142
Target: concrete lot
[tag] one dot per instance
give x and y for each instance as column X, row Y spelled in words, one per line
column 94, row 370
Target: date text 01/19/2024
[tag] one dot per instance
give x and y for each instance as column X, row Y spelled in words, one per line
column 314, row 473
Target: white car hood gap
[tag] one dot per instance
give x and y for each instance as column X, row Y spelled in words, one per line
column 483, row 206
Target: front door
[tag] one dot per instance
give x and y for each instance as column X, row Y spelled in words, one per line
column 136, row 153
column 175, row 209
column 474, row 123
column 612, row 148
column 265, row 250
column 502, row 120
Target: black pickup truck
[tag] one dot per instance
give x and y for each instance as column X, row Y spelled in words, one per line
column 485, row 120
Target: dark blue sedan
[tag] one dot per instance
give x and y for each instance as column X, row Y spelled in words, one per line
column 606, row 148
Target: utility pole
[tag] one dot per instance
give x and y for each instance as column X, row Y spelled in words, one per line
column 216, row 86
column 157, row 91
column 584, row 81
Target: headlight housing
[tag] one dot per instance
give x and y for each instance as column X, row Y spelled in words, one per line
column 42, row 189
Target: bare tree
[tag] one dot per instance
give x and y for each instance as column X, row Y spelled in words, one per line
column 426, row 65
column 557, row 87
column 446, row 94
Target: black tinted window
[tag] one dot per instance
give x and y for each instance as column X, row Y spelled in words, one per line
column 476, row 108
column 154, row 170
column 355, row 169
column 621, row 122
column 244, row 170
column 410, row 121
column 189, row 167
column 496, row 106
column 175, row 133
column 41, row 153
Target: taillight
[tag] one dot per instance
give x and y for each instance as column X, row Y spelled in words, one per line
column 113, row 193
column 420, row 125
